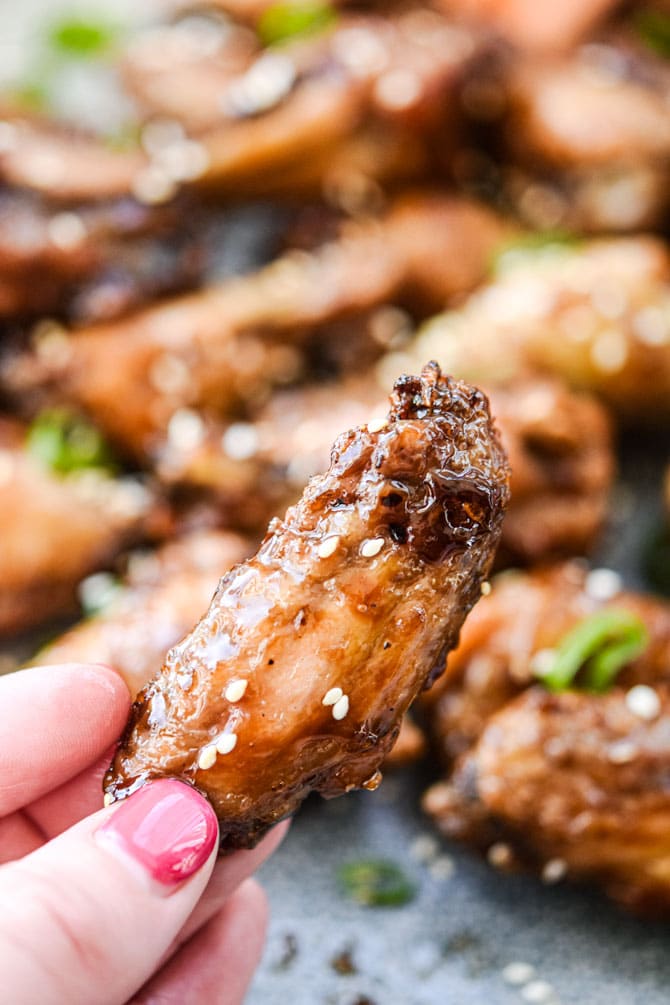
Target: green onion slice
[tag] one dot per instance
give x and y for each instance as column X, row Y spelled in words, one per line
column 518, row 249
column 65, row 443
column 599, row 647
column 376, row 883
column 653, row 27
column 82, row 38
column 284, row 21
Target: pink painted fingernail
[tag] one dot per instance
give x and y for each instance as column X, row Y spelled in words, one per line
column 166, row 826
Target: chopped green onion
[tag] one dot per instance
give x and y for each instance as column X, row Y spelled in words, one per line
column 284, row 21
column 376, row 883
column 653, row 27
column 598, row 647
column 65, row 443
column 519, row 248
column 657, row 560
column 82, row 38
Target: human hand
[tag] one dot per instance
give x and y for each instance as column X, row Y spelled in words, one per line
column 124, row 904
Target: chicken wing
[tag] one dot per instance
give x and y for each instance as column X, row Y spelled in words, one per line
column 56, row 529
column 298, row 676
column 570, row 783
column 225, row 347
column 595, row 313
column 165, row 592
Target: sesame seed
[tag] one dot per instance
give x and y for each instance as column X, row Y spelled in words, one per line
column 537, row 992
column 376, row 424
column 267, row 82
column 424, row 848
column 333, row 696
column 486, row 588
column 152, row 186
column 609, row 352
column 542, row 662
column 602, row 584
column 184, row 161
column 108, row 799
column 185, row 430
column 66, row 230
column 554, row 870
column 518, row 973
column 240, row 441
column 207, row 758
column 442, row 867
column 226, row 743
column 235, row 690
column 372, row 547
column 622, row 752
column 643, row 702
column 328, row 547
column 651, row 326
column 499, row 855
column 341, row 707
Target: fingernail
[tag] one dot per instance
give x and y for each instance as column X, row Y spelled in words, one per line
column 167, row 827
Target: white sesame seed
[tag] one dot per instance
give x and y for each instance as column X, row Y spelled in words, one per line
column 184, row 161
column 499, row 855
column 66, row 230
column 264, row 85
column 518, row 973
column 341, row 707
column 328, row 547
column 643, row 702
column 603, row 584
column 542, row 662
column 622, row 752
column 333, row 696
column 207, row 758
column 169, row 374
column 609, row 352
column 442, row 867
column 226, row 743
column 153, row 185
column 185, row 430
column 424, row 848
column 651, row 326
column 240, row 441
column 486, row 588
column 108, row 799
column 554, row 870
column 376, row 424
column 372, row 547
column 537, row 992
column 235, row 690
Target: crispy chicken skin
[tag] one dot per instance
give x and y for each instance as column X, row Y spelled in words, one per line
column 594, row 314
column 575, row 778
column 226, row 346
column 354, row 598
column 164, row 593
column 55, row 531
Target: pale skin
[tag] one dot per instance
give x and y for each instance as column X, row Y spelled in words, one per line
column 79, row 921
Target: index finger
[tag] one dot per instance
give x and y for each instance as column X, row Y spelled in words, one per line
column 56, row 721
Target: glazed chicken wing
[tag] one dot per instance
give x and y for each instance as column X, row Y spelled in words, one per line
column 298, row 676
column 56, row 530
column 226, row 346
column 571, row 783
column 595, row 313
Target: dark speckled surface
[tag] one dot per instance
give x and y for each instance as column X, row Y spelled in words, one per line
column 452, row 942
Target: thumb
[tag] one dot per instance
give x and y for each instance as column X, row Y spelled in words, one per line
column 89, row 915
